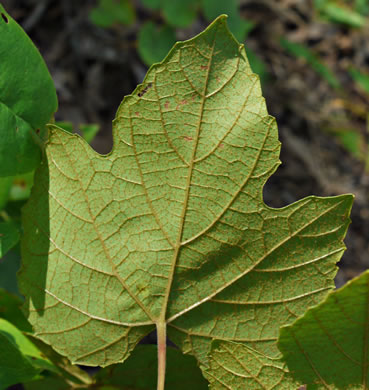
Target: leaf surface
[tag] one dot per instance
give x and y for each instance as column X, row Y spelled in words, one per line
column 235, row 366
column 170, row 227
column 328, row 348
column 27, row 99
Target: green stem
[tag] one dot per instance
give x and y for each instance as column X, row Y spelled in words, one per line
column 161, row 330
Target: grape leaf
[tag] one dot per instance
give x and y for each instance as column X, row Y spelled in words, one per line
column 235, row 366
column 27, row 99
column 328, row 348
column 169, row 230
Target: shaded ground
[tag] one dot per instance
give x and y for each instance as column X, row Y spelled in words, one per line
column 94, row 68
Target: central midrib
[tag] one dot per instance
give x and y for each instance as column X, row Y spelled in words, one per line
column 187, row 194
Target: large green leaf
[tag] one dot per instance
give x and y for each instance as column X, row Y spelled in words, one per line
column 27, row 99
column 170, row 229
column 328, row 348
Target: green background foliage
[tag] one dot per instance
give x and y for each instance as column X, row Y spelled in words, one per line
column 27, row 99
column 328, row 346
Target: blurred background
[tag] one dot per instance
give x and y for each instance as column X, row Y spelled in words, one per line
column 312, row 57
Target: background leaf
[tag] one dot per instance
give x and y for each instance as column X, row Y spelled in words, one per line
column 170, row 227
column 154, row 42
column 109, row 12
column 180, row 13
column 9, row 236
column 10, row 311
column 27, row 96
column 20, row 360
column 238, row 26
column 329, row 346
column 9, row 265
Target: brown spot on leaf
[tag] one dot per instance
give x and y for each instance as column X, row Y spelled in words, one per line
column 166, row 105
column 187, row 138
column 5, row 19
column 144, row 90
column 137, row 113
column 221, row 146
column 204, row 67
column 181, row 103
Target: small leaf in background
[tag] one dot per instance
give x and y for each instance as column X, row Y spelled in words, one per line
column 9, row 236
column 14, row 366
column 67, row 126
column 27, row 96
column 5, row 185
column 180, row 13
column 139, row 371
column 339, row 13
column 20, row 360
column 361, row 78
column 362, row 7
column 154, row 42
column 238, row 367
column 328, row 347
column 10, row 311
column 62, row 366
column 257, row 65
column 50, row 383
column 89, row 131
column 238, row 26
column 9, row 265
column 301, row 51
column 152, row 4
column 353, row 141
column 21, row 187
column 109, row 12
